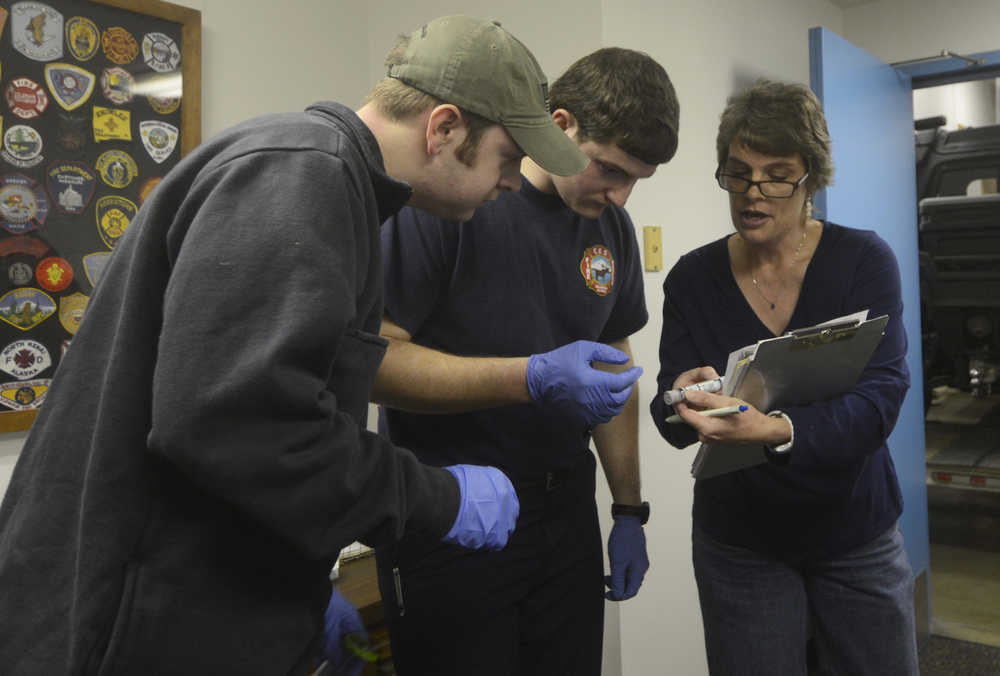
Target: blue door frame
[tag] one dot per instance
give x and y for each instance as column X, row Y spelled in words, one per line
column 869, row 110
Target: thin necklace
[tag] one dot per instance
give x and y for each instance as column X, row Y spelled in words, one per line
column 795, row 257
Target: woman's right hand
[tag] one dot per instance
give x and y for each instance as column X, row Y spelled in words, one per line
column 696, row 375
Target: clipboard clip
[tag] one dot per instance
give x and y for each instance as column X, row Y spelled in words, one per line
column 821, row 335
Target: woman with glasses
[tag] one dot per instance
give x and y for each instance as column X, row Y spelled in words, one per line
column 802, row 550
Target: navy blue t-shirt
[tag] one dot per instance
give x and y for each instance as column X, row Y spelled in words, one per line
column 525, row 275
column 839, row 489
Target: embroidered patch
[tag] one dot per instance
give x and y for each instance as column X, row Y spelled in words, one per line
column 36, row 30
column 26, row 98
column 116, row 168
column 26, row 308
column 24, row 359
column 71, row 134
column 82, row 37
column 22, row 146
column 54, row 274
column 20, row 273
column 119, row 45
column 117, row 84
column 71, row 185
column 70, row 85
column 164, row 105
column 94, row 265
column 114, row 214
column 111, row 124
column 159, row 139
column 23, row 204
column 598, row 270
column 147, row 187
column 160, row 52
column 24, row 244
column 71, row 311
column 24, row 395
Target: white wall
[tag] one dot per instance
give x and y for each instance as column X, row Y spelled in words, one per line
column 334, row 49
column 710, row 50
column 964, row 104
column 897, row 30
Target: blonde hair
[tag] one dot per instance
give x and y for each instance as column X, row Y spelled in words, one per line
column 399, row 101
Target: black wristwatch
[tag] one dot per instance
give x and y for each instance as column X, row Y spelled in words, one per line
column 641, row 511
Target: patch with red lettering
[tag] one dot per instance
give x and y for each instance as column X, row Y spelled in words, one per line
column 598, row 269
column 26, row 98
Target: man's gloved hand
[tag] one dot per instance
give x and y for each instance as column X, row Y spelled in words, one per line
column 341, row 619
column 488, row 509
column 627, row 555
column 565, row 379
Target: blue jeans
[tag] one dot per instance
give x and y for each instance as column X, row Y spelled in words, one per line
column 759, row 612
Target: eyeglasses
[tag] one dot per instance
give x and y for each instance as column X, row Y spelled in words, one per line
column 740, row 185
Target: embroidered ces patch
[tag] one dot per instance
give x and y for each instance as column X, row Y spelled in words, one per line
column 598, row 269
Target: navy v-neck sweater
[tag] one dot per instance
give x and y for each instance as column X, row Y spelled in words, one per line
column 838, row 489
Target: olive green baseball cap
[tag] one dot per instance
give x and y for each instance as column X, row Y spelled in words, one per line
column 480, row 67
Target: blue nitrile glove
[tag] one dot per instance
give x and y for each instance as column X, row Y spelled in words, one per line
column 564, row 379
column 341, row 619
column 627, row 555
column 488, row 509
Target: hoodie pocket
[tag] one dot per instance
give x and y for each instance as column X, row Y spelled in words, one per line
column 358, row 358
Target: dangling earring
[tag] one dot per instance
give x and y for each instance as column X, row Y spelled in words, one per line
column 809, row 207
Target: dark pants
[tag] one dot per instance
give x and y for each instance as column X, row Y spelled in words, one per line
column 758, row 612
column 536, row 607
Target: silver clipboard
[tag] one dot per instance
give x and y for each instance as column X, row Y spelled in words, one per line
column 797, row 368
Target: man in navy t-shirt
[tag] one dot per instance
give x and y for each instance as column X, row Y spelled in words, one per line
column 535, row 271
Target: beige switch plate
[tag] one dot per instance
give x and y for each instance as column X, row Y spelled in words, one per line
column 652, row 247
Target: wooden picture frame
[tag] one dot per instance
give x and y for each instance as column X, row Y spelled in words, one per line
column 60, row 231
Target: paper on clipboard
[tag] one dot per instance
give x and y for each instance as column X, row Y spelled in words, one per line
column 769, row 375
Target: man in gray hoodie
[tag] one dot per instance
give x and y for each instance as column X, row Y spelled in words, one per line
column 202, row 456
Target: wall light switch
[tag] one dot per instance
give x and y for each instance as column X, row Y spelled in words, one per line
column 652, row 248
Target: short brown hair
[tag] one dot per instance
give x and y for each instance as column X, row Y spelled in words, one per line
column 399, row 101
column 624, row 97
column 777, row 118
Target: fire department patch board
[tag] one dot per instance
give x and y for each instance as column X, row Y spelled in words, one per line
column 90, row 103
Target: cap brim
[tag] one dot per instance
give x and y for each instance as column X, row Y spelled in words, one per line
column 550, row 148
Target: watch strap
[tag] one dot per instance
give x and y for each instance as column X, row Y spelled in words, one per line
column 641, row 511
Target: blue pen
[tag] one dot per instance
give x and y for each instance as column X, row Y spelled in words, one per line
column 713, row 412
